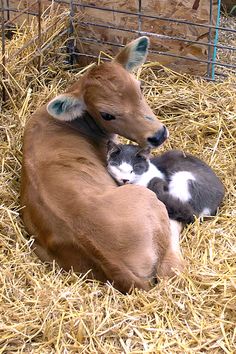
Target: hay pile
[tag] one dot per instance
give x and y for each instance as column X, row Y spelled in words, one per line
column 45, row 310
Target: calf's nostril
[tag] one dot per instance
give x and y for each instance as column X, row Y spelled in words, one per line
column 159, row 137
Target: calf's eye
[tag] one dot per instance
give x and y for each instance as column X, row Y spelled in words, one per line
column 107, row 116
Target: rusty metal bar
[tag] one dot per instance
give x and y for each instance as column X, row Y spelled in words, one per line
column 49, row 44
column 71, row 41
column 39, row 34
column 33, row 40
column 8, row 12
column 3, row 52
column 139, row 17
column 21, row 12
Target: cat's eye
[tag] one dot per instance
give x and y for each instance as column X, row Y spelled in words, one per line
column 137, row 167
column 114, row 154
column 107, row 116
column 114, row 163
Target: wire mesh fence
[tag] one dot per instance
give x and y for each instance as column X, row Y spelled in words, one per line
column 181, row 53
column 186, row 39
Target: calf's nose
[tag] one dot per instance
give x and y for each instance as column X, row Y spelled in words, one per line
column 158, row 138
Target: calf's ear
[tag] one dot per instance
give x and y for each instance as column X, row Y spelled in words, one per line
column 134, row 54
column 145, row 153
column 66, row 107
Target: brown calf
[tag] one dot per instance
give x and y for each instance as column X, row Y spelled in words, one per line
column 78, row 215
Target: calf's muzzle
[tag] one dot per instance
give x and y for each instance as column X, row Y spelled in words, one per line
column 159, row 137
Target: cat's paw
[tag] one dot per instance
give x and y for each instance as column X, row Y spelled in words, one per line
column 181, row 212
column 158, row 186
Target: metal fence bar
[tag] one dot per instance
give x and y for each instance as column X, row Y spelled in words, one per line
column 3, row 51
column 39, row 34
column 11, row 21
column 48, row 46
column 8, row 12
column 217, row 63
column 74, row 5
column 21, row 11
column 103, row 58
column 216, row 40
column 160, row 36
column 139, row 17
column 209, row 38
column 149, row 16
column 26, row 45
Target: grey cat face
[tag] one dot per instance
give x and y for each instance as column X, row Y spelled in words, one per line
column 127, row 163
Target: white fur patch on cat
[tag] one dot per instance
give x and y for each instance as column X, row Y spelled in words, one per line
column 205, row 212
column 122, row 173
column 175, row 230
column 146, row 177
column 178, row 186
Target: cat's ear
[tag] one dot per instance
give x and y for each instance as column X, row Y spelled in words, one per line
column 145, row 153
column 112, row 147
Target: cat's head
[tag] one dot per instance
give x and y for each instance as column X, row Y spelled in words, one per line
column 127, row 163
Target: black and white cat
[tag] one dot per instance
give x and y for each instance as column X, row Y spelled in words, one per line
column 185, row 184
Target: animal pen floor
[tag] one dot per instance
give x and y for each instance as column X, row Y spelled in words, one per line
column 45, row 310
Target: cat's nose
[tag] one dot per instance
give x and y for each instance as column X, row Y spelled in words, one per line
column 125, row 181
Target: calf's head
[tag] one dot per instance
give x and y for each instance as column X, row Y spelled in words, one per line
column 111, row 94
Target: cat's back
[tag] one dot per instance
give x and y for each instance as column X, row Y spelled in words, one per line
column 191, row 179
column 174, row 161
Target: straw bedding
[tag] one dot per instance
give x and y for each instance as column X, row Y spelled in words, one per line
column 45, row 310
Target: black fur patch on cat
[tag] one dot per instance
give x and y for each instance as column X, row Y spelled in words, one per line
column 177, row 210
column 207, row 191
